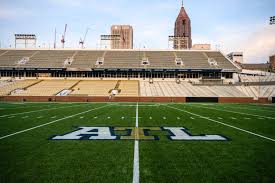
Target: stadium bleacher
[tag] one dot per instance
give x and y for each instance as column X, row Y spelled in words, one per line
column 130, row 88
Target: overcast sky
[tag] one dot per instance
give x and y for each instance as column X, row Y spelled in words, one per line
column 230, row 25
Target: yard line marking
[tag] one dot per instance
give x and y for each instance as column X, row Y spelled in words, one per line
column 39, row 110
column 136, row 154
column 35, row 127
column 240, row 129
column 237, row 112
column 245, row 108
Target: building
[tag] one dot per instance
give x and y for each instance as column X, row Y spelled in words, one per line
column 125, row 39
column 182, row 31
column 201, row 47
column 272, row 62
column 236, row 57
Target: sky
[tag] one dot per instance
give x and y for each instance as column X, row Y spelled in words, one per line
column 228, row 25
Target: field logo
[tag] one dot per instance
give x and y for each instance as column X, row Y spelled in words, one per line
column 133, row 133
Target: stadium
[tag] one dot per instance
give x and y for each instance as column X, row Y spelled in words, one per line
column 187, row 114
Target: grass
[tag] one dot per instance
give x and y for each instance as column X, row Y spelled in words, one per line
column 30, row 156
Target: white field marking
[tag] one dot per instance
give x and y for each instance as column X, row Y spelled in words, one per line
column 231, row 126
column 178, row 117
column 11, row 117
column 238, row 112
column 26, row 107
column 245, row 108
column 81, row 117
column 192, row 118
column 35, row 127
column 53, row 117
column 136, row 117
column 25, row 117
column 136, row 154
column 40, row 110
column 220, row 118
column 233, row 118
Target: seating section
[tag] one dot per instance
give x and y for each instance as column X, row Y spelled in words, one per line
column 222, row 62
column 163, row 59
column 86, row 59
column 113, row 59
column 248, row 78
column 129, row 88
column 185, row 89
column 123, row 59
column 48, row 59
column 196, row 60
column 7, row 87
column 12, row 57
column 93, row 88
column 47, row 88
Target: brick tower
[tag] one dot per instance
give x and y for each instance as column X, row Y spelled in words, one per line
column 182, row 31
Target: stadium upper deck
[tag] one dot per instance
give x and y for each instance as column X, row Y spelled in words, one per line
column 84, row 60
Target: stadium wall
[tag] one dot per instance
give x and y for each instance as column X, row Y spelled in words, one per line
column 128, row 99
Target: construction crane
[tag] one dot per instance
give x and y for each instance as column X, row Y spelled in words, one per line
column 82, row 41
column 63, row 37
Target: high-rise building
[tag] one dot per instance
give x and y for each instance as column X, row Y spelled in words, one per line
column 125, row 37
column 182, row 31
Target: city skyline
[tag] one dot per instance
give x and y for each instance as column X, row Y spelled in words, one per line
column 238, row 25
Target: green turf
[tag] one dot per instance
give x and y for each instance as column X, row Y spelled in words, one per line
column 31, row 157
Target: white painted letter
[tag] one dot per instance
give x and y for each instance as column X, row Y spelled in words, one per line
column 181, row 134
column 88, row 133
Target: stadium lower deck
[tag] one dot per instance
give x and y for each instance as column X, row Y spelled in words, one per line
column 27, row 153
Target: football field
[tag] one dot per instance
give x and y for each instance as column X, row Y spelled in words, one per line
column 136, row 142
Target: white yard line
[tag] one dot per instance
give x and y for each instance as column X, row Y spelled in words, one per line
column 236, row 112
column 136, row 154
column 35, row 127
column 6, row 115
column 209, row 119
